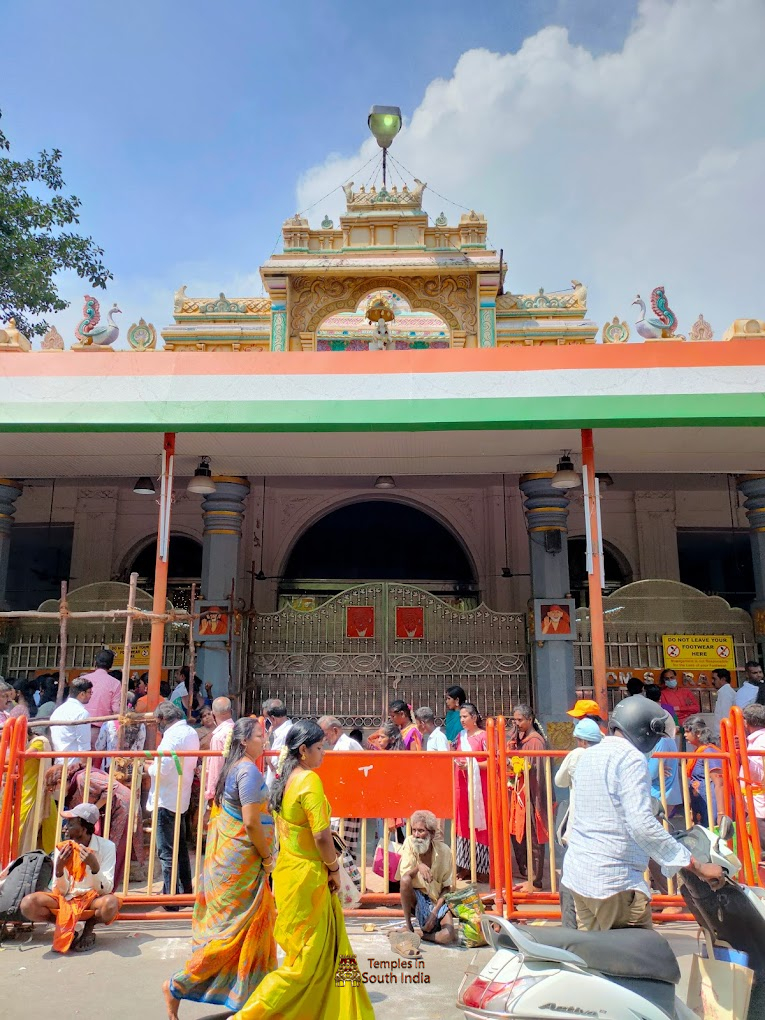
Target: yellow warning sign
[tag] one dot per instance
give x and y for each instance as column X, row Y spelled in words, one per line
column 698, row 651
column 139, row 655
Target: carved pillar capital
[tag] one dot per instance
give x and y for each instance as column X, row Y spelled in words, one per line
column 546, row 508
column 223, row 510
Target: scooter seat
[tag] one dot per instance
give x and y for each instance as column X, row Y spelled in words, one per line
column 622, row 953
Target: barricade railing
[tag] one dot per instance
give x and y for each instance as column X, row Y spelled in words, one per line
column 380, row 788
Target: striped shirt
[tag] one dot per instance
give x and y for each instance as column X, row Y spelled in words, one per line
column 613, row 832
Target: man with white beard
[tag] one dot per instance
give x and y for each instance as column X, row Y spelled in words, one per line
column 426, row 875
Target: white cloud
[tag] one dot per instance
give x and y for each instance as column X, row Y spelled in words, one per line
column 626, row 170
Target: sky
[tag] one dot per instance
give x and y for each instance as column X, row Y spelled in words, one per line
column 619, row 142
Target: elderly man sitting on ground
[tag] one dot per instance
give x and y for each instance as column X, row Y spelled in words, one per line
column 83, row 878
column 426, row 876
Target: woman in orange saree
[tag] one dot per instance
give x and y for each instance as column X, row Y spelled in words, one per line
column 234, row 912
column 528, row 786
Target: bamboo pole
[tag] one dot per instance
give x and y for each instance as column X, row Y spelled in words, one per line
column 109, row 798
column 386, row 862
column 529, row 822
column 128, row 644
column 471, row 817
column 551, row 823
column 176, row 833
column 38, row 801
column 363, row 855
column 61, row 797
column 129, row 828
column 200, row 820
column 154, row 820
column 86, row 784
column 63, row 623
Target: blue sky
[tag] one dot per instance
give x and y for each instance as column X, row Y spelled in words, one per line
column 191, row 131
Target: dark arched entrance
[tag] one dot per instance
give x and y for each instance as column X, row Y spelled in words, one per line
column 616, row 569
column 381, row 540
column 184, row 568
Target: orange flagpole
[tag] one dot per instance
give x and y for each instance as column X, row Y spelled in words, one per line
column 157, row 647
column 594, row 571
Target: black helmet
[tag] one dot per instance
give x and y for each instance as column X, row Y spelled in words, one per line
column 642, row 722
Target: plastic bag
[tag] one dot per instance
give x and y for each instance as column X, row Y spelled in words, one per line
column 467, row 907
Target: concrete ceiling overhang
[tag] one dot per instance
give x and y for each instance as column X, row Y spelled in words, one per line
column 358, row 454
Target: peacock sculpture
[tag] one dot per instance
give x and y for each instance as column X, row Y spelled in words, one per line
column 89, row 332
column 662, row 327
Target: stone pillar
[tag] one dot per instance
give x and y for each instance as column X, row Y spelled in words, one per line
column 9, row 493
column 223, row 514
column 277, row 289
column 655, row 515
column 553, row 661
column 753, row 487
column 488, row 287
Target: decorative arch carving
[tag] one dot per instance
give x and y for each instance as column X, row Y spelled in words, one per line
column 452, row 297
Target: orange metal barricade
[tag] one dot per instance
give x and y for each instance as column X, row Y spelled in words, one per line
column 377, row 784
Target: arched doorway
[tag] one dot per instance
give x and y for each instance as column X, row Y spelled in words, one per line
column 409, row 329
column 381, row 540
column 184, row 568
column 617, row 569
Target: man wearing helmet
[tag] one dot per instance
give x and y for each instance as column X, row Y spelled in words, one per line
column 613, row 832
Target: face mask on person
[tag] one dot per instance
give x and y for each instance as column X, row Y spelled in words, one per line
column 671, row 684
column 421, row 846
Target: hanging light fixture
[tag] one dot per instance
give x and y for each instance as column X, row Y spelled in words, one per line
column 202, row 482
column 565, row 476
column 144, row 487
column 606, row 481
column 385, row 482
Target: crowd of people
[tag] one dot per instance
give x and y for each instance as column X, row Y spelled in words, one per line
column 272, row 841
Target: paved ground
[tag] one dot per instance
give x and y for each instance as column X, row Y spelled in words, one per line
column 121, row 978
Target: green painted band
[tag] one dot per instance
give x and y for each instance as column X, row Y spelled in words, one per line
column 415, row 414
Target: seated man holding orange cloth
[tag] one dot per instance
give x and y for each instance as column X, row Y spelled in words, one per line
column 83, row 878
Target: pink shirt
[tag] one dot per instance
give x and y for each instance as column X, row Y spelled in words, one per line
column 105, row 697
column 215, row 764
column 684, row 702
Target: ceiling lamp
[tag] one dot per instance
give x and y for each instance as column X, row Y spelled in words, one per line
column 202, row 482
column 144, row 487
column 604, row 478
column 565, row 477
column 385, row 482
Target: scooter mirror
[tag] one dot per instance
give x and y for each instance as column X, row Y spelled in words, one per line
column 726, row 827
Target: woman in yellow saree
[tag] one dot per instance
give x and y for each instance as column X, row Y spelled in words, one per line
column 310, row 926
column 233, row 944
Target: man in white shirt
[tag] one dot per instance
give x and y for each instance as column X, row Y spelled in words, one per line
column 107, row 690
column 337, row 740
column 176, row 774
column 433, row 737
column 726, row 695
column 221, row 710
column 75, row 736
column 748, row 691
column 71, row 900
column 613, row 832
column 278, row 726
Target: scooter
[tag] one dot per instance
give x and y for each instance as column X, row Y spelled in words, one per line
column 627, row 974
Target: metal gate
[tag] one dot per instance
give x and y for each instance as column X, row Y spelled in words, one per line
column 311, row 661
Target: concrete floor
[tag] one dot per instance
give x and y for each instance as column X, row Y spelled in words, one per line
column 121, row 977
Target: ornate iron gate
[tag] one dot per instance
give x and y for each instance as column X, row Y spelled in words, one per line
column 309, row 660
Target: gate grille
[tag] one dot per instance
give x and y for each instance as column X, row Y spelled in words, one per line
column 308, row 660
